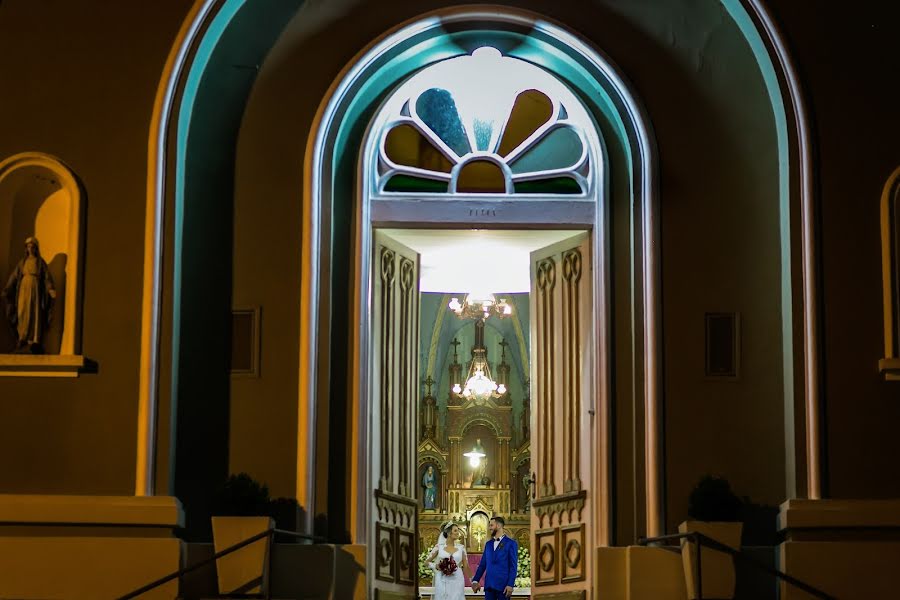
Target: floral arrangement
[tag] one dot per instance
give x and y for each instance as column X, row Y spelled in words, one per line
column 447, row 566
column 523, row 573
column 426, row 573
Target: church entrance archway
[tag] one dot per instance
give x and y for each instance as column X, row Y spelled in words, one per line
column 485, row 140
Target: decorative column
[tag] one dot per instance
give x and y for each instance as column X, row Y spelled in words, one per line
column 455, row 372
column 445, row 494
column 429, row 413
column 503, row 464
column 503, row 372
column 525, row 415
column 454, row 461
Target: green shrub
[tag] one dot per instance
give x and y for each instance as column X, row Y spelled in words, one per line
column 712, row 500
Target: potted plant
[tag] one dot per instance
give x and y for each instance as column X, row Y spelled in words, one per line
column 284, row 512
column 242, row 509
column 714, row 511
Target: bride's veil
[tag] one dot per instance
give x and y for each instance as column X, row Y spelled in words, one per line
column 441, row 542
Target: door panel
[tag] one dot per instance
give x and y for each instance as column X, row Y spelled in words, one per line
column 562, row 427
column 394, row 386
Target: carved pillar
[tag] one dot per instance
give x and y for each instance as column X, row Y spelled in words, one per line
column 454, row 462
column 455, row 372
column 525, row 415
column 445, row 495
column 429, row 412
column 503, row 475
column 503, row 373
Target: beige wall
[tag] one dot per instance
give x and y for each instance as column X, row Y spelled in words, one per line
column 853, row 101
column 78, row 81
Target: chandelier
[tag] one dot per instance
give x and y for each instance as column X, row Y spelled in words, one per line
column 479, row 383
column 480, row 306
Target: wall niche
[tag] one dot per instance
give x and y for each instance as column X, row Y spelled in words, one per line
column 40, row 197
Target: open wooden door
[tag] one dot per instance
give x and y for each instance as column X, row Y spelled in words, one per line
column 562, row 418
column 394, row 389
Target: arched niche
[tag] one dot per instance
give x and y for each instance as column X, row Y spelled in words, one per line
column 40, row 197
column 890, row 256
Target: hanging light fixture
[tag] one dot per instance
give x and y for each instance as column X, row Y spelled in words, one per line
column 475, row 454
column 479, row 384
column 480, row 306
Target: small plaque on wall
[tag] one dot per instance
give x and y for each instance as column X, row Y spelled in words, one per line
column 723, row 345
column 245, row 342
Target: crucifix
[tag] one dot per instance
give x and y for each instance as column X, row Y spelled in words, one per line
column 428, row 382
column 455, row 343
column 503, row 345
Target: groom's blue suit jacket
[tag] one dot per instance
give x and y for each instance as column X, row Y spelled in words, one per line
column 501, row 564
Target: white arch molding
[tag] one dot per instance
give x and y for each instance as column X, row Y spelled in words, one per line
column 179, row 62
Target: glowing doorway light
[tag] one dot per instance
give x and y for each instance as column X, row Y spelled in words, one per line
column 475, row 454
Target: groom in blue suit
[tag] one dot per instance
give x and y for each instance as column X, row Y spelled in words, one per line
column 501, row 559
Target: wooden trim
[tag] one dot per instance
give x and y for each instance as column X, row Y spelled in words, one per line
column 256, row 315
column 385, row 549
column 41, row 365
column 580, row 563
column 546, row 551
column 459, row 211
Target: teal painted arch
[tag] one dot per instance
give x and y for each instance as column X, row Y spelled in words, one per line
column 208, row 24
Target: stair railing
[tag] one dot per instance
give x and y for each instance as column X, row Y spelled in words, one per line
column 701, row 540
column 267, row 567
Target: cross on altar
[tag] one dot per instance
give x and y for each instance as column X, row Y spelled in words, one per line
column 455, row 343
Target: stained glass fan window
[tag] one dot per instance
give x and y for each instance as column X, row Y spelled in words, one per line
column 485, row 124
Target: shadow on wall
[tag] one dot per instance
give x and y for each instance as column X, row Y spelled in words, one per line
column 33, row 203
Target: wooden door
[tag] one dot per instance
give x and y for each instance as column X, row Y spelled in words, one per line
column 393, row 554
column 562, row 419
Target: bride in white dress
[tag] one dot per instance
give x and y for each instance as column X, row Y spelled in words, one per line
column 449, row 587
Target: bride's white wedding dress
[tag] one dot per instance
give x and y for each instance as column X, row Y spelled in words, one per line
column 450, row 587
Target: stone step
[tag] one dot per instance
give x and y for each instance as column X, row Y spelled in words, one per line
column 299, row 572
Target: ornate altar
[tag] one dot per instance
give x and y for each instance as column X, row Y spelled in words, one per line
column 457, row 485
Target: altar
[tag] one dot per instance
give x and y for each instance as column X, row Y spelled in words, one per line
column 474, row 453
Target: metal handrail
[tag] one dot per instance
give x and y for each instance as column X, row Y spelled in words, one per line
column 270, row 533
column 701, row 540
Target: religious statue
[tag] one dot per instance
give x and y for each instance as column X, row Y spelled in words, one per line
column 479, row 476
column 429, row 482
column 29, row 295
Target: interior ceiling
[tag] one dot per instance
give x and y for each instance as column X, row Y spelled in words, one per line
column 476, row 260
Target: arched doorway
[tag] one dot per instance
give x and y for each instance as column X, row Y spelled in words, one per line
column 491, row 139
column 321, row 194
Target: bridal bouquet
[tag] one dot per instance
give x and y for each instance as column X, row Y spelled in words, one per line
column 447, row 566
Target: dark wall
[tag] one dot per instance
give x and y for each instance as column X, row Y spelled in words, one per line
column 203, row 397
column 848, row 61
column 78, row 80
